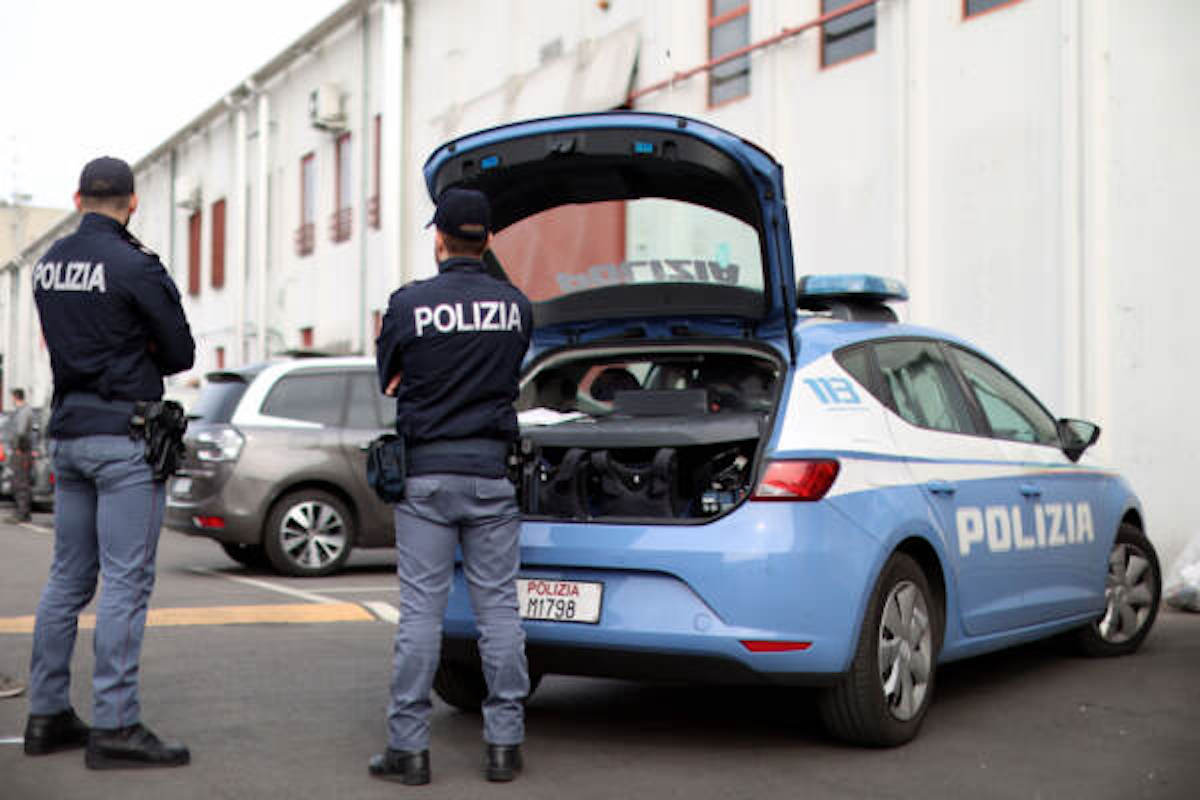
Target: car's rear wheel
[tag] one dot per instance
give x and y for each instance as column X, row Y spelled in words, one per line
column 883, row 699
column 462, row 685
column 250, row 555
column 309, row 533
column 1132, row 593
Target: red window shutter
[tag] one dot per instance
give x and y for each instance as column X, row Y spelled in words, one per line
column 194, row 254
column 218, row 244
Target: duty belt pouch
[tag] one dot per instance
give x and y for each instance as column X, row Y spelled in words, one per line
column 386, row 468
column 161, row 424
column 562, row 487
column 637, row 489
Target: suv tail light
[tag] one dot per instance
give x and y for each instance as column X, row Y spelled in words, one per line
column 802, row 480
column 219, row 444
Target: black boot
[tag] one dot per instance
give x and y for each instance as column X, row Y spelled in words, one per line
column 401, row 766
column 503, row 762
column 49, row 733
column 132, row 747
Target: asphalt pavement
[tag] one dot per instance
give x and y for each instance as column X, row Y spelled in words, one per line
column 278, row 686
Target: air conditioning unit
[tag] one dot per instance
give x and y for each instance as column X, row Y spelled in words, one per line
column 325, row 108
column 187, row 192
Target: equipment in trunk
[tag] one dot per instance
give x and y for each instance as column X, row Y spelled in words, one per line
column 669, row 435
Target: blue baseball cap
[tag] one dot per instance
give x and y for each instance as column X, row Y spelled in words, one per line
column 464, row 213
column 106, row 177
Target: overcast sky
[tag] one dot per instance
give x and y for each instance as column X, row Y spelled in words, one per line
column 81, row 78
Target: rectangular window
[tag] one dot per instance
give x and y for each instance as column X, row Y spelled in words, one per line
column 305, row 239
column 972, row 8
column 847, row 36
column 728, row 31
column 373, row 206
column 340, row 224
column 194, row 253
column 218, row 244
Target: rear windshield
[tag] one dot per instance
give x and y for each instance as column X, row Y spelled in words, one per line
column 218, row 399
column 574, row 248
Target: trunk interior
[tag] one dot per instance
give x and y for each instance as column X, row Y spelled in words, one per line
column 667, row 433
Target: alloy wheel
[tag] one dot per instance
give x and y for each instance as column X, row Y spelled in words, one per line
column 1128, row 594
column 905, row 650
column 312, row 534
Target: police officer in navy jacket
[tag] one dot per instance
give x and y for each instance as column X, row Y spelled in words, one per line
column 450, row 350
column 114, row 326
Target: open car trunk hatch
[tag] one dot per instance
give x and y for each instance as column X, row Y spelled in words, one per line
column 605, row 218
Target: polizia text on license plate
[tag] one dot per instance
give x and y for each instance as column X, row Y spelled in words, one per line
column 559, row 601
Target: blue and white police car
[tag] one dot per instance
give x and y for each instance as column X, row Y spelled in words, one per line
column 729, row 475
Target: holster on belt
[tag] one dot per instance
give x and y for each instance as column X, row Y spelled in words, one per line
column 161, row 424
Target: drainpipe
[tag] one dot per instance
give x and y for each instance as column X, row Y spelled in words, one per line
column 172, row 213
column 1070, row 206
column 262, row 224
column 362, row 335
column 392, row 134
column 238, row 243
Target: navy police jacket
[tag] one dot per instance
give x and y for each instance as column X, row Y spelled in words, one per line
column 112, row 321
column 459, row 339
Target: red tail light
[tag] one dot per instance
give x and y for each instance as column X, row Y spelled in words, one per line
column 209, row 522
column 803, row 480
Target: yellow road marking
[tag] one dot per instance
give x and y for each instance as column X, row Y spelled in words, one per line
column 223, row 615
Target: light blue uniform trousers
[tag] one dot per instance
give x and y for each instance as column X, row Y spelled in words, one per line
column 438, row 513
column 108, row 511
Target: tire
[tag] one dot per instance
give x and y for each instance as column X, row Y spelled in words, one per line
column 882, row 700
column 249, row 555
column 462, row 685
column 1132, row 592
column 308, row 534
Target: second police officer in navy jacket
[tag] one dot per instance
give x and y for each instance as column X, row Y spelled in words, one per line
column 450, row 349
column 114, row 327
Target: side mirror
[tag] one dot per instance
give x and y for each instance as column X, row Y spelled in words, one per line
column 1077, row 435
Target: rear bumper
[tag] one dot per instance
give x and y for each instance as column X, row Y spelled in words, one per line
column 641, row 665
column 183, row 516
column 679, row 601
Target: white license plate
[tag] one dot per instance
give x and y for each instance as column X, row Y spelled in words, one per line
column 181, row 486
column 559, row 601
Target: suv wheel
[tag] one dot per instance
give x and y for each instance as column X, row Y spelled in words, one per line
column 309, row 533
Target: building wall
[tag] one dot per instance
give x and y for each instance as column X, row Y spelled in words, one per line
column 1029, row 173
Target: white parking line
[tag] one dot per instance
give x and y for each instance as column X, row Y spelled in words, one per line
column 272, row 587
column 13, row 740
column 385, row 611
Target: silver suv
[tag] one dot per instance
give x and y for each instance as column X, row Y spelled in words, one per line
column 275, row 469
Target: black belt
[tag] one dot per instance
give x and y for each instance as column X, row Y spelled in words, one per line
column 93, row 400
column 480, row 448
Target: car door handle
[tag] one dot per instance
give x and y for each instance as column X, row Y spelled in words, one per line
column 1031, row 491
column 940, row 487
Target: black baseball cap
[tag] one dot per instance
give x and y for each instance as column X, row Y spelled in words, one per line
column 106, row 177
column 464, row 213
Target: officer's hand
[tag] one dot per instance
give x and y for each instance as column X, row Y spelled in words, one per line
column 393, row 384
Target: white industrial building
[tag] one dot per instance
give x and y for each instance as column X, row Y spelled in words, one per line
column 1027, row 167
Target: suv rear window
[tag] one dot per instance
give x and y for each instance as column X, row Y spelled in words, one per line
column 218, row 399
column 309, row 397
